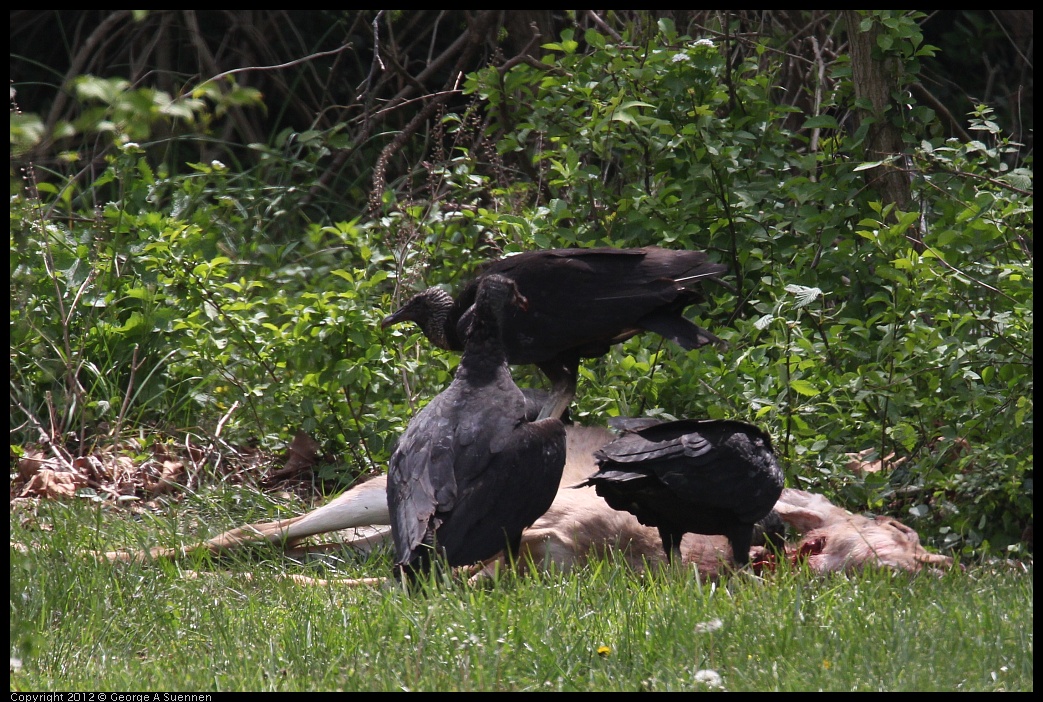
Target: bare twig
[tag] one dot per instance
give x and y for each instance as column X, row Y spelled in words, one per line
column 987, row 179
column 1003, row 26
column 45, row 437
column 358, row 424
column 927, row 96
column 206, row 58
column 288, row 64
column 196, row 467
column 376, row 55
column 820, row 79
column 524, row 56
column 604, row 27
column 434, row 102
column 134, row 366
column 964, row 274
column 228, row 414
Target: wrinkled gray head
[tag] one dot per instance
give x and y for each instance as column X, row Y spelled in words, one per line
column 430, row 310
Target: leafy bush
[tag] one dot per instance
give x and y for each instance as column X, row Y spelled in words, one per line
column 174, row 306
column 848, row 334
column 192, row 296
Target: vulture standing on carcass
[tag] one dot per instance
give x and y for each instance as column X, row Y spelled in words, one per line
column 691, row 476
column 471, row 470
column 581, row 302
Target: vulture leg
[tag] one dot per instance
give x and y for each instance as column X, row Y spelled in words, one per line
column 671, row 544
column 562, row 373
column 513, row 549
column 740, row 540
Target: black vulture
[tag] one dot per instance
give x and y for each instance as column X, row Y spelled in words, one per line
column 471, row 470
column 581, row 302
column 698, row 476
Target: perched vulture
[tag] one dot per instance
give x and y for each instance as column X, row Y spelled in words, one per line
column 580, row 303
column 471, row 470
column 691, row 476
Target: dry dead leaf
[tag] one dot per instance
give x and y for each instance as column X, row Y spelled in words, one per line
column 30, row 463
column 860, row 466
column 168, row 477
column 301, row 454
column 52, row 483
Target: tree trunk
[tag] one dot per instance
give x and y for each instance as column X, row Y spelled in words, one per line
column 874, row 79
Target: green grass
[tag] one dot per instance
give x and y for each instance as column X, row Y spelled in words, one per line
column 80, row 625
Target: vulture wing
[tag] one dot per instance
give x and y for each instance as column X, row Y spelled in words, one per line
column 700, row 476
column 717, row 465
column 521, row 469
column 584, row 300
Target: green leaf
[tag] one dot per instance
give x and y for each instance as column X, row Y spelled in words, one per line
column 822, row 122
column 135, row 321
column 804, row 387
column 595, row 39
